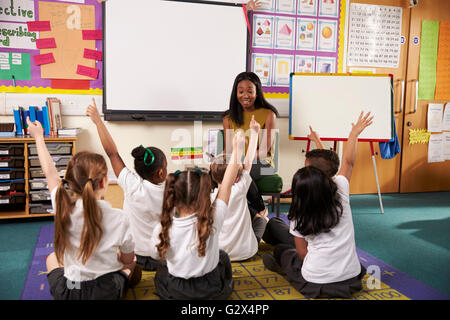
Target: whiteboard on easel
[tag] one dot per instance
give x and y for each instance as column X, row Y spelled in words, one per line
column 330, row 103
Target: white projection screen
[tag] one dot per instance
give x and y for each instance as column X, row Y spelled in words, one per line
column 171, row 60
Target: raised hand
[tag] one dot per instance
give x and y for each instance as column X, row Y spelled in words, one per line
column 253, row 5
column 92, row 112
column 35, row 129
column 364, row 120
column 254, row 125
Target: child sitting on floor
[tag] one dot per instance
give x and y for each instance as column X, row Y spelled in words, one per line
column 323, row 263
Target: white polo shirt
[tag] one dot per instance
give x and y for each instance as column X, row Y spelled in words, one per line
column 116, row 235
column 182, row 257
column 332, row 256
column 237, row 237
column 143, row 205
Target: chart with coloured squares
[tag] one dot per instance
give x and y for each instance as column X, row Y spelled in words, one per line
column 302, row 36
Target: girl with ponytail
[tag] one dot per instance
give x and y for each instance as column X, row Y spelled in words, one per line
column 143, row 190
column 188, row 236
column 94, row 250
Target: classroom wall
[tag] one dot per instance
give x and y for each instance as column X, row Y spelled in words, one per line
column 167, row 134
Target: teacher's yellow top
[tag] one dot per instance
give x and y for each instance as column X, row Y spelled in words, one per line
column 261, row 115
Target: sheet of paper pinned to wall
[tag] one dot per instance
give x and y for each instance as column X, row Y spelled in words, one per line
column 435, row 148
column 434, row 117
column 428, row 58
column 374, row 35
column 446, row 118
column 446, row 145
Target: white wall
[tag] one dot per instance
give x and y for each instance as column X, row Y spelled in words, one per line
column 165, row 135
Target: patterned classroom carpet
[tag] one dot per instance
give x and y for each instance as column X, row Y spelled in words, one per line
column 252, row 281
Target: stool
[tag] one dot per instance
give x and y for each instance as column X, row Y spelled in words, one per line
column 271, row 186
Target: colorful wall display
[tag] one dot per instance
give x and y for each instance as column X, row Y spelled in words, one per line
column 295, row 36
column 51, row 47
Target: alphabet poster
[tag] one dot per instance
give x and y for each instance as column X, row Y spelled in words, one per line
column 51, row 46
column 295, row 36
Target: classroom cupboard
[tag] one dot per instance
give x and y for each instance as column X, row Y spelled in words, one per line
column 409, row 171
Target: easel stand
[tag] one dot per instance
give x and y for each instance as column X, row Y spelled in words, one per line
column 376, row 176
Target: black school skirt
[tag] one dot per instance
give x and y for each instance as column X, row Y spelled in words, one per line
column 110, row 286
column 291, row 263
column 215, row 285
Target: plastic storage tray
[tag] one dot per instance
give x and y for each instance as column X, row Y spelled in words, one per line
column 11, row 162
column 37, row 184
column 53, row 148
column 11, row 149
column 38, row 173
column 12, row 173
column 41, row 208
column 12, row 185
column 58, row 160
column 12, row 198
column 40, row 195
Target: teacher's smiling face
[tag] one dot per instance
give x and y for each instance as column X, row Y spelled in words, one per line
column 246, row 95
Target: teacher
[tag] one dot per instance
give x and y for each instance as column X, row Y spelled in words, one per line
column 247, row 100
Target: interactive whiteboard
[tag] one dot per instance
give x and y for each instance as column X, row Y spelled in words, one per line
column 330, row 103
column 171, row 60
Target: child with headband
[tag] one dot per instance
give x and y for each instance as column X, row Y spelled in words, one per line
column 143, row 192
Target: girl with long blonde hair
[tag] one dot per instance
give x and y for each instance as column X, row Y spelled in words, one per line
column 94, row 250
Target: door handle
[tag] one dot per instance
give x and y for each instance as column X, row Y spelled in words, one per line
column 403, row 96
column 415, row 96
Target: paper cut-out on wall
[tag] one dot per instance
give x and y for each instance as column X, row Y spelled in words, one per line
column 38, row 25
column 45, row 58
column 418, row 136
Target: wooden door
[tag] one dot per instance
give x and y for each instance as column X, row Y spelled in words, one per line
column 363, row 177
column 417, row 175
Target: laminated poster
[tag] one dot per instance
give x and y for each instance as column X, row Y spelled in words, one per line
column 262, row 31
column 443, row 63
column 305, row 64
column 446, row 145
column 374, row 36
column 428, row 59
column 435, row 148
column 307, row 7
column 446, row 118
column 327, row 33
column 285, row 31
column 282, row 64
column 434, row 117
column 262, row 66
column 306, row 34
column 286, row 6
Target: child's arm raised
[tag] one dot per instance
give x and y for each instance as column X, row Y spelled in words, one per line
column 232, row 168
column 253, row 144
column 315, row 137
column 349, row 155
column 106, row 139
column 46, row 160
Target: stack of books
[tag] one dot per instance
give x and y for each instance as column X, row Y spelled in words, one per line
column 7, row 130
column 49, row 116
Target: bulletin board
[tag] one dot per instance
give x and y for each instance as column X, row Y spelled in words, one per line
column 330, row 103
column 49, row 49
column 301, row 36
